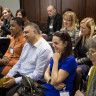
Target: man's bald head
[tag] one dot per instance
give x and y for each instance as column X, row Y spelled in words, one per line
column 51, row 10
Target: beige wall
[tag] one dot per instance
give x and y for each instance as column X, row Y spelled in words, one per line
column 13, row 5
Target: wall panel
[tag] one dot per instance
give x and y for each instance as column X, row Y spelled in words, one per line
column 91, row 8
column 30, row 8
column 76, row 5
column 37, row 9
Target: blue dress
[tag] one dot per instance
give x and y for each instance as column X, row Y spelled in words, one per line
column 69, row 64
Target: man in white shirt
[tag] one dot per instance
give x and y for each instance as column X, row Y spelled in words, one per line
column 34, row 59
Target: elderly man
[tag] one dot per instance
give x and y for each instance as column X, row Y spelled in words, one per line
column 34, row 59
column 54, row 22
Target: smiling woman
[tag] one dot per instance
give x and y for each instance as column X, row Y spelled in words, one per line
column 15, row 48
column 7, row 15
column 87, row 28
column 62, row 68
column 70, row 24
column 21, row 13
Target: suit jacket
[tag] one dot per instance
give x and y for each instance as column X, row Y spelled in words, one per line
column 57, row 24
column 81, row 59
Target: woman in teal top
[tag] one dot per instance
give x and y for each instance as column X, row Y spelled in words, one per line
column 62, row 68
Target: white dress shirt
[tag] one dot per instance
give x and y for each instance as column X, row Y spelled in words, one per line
column 33, row 61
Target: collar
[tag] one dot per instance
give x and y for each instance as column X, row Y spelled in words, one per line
column 37, row 44
column 19, row 38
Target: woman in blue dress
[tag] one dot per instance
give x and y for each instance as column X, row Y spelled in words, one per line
column 62, row 68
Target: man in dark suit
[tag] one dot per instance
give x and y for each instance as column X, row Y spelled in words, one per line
column 54, row 22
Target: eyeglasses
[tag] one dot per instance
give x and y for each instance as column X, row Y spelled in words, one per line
column 90, row 54
column 67, row 20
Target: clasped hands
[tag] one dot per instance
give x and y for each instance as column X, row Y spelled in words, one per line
column 7, row 82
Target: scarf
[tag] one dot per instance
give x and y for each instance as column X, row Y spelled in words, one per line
column 93, row 70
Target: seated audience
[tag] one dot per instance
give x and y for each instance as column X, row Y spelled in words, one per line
column 7, row 15
column 21, row 13
column 87, row 27
column 69, row 24
column 54, row 22
column 62, row 68
column 15, row 48
column 34, row 59
column 91, row 54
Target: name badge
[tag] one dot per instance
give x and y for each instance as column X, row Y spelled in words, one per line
column 11, row 50
column 51, row 27
column 64, row 93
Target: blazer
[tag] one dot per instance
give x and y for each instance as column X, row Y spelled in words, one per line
column 81, row 59
column 57, row 24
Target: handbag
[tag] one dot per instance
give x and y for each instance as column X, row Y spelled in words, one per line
column 29, row 87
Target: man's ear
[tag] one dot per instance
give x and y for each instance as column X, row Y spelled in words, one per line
column 35, row 31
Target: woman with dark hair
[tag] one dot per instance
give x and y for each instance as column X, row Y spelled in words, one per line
column 15, row 48
column 62, row 68
column 21, row 13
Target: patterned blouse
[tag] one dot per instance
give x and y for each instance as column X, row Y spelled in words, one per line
column 73, row 34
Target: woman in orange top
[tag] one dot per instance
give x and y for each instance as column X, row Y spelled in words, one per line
column 15, row 48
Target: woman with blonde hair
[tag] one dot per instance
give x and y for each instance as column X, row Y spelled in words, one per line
column 87, row 28
column 7, row 15
column 70, row 24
